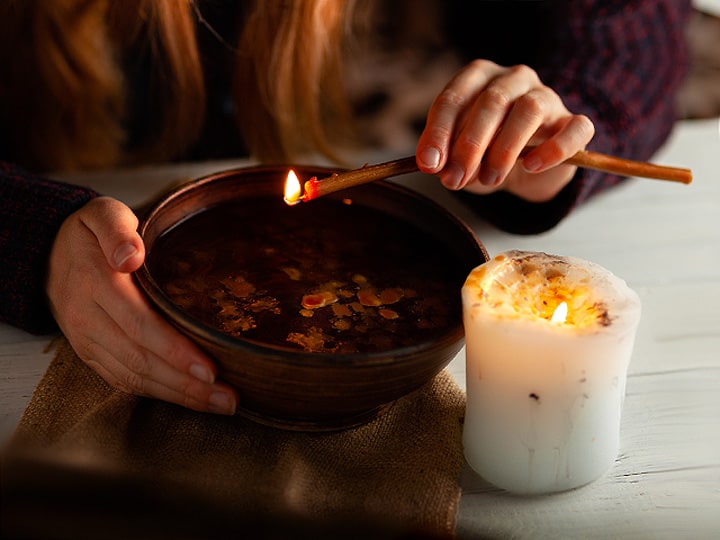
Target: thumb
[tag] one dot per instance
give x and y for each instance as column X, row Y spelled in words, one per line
column 115, row 227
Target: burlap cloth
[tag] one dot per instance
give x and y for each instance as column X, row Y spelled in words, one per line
column 92, row 460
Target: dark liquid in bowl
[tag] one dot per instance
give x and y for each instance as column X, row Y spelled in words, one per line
column 325, row 276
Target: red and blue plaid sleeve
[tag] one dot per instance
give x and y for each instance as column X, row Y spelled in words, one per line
column 31, row 212
column 620, row 62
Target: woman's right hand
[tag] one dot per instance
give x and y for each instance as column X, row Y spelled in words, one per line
column 479, row 125
column 111, row 325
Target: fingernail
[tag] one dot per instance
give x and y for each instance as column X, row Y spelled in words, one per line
column 222, row 403
column 429, row 157
column 452, row 175
column 202, row 373
column 123, row 253
column 488, row 176
column 532, row 163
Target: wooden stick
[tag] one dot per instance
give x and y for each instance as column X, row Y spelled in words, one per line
column 628, row 167
column 315, row 188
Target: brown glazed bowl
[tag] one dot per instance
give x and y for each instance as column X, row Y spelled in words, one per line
column 292, row 388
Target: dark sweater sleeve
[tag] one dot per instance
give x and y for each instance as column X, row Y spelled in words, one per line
column 31, row 212
column 620, row 62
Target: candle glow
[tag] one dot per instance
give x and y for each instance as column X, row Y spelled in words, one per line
column 548, row 340
column 560, row 314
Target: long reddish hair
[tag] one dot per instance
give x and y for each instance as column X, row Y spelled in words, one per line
column 63, row 101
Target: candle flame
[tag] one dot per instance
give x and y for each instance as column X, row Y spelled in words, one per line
column 292, row 189
column 560, row 313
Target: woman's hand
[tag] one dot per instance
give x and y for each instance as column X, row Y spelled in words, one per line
column 109, row 323
column 483, row 119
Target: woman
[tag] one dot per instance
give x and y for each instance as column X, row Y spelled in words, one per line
column 99, row 83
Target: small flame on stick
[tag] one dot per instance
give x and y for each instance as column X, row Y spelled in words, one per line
column 292, row 188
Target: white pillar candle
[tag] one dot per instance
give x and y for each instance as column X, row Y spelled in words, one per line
column 544, row 395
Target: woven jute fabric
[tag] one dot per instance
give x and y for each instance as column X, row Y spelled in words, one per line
column 396, row 476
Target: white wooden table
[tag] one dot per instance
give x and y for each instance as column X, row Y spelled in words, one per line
column 664, row 240
column 708, row 6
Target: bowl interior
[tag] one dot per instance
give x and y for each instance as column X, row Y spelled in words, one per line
column 386, row 229
column 386, row 358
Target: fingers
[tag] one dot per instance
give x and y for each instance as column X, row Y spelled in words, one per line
column 111, row 325
column 575, row 133
column 140, row 372
column 155, row 359
column 484, row 119
column 445, row 114
column 465, row 117
column 115, row 227
column 511, row 137
column 502, row 119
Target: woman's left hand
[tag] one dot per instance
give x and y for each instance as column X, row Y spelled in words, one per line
column 483, row 119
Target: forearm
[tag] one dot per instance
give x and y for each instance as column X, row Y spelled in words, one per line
column 620, row 63
column 624, row 63
column 31, row 213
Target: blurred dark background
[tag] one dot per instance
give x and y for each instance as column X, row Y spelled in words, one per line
column 700, row 96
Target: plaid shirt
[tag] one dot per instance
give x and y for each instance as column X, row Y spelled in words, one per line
column 619, row 62
column 31, row 213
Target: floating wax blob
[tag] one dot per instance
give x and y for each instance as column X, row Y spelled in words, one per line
column 548, row 343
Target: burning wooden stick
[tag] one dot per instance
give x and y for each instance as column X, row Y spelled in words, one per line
column 315, row 188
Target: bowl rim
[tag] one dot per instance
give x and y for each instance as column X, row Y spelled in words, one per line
column 270, row 352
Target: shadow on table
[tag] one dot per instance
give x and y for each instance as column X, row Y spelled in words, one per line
column 49, row 501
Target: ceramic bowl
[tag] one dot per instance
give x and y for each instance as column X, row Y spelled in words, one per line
column 282, row 384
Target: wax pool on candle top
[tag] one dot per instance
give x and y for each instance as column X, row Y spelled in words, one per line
column 544, row 396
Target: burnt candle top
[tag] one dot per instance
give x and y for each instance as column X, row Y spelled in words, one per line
column 529, row 286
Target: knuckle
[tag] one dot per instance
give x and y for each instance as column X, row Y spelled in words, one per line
column 469, row 145
column 532, row 105
column 133, row 383
column 439, row 132
column 495, row 96
column 481, row 64
column 525, row 72
column 136, row 362
column 133, row 324
column 449, row 98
